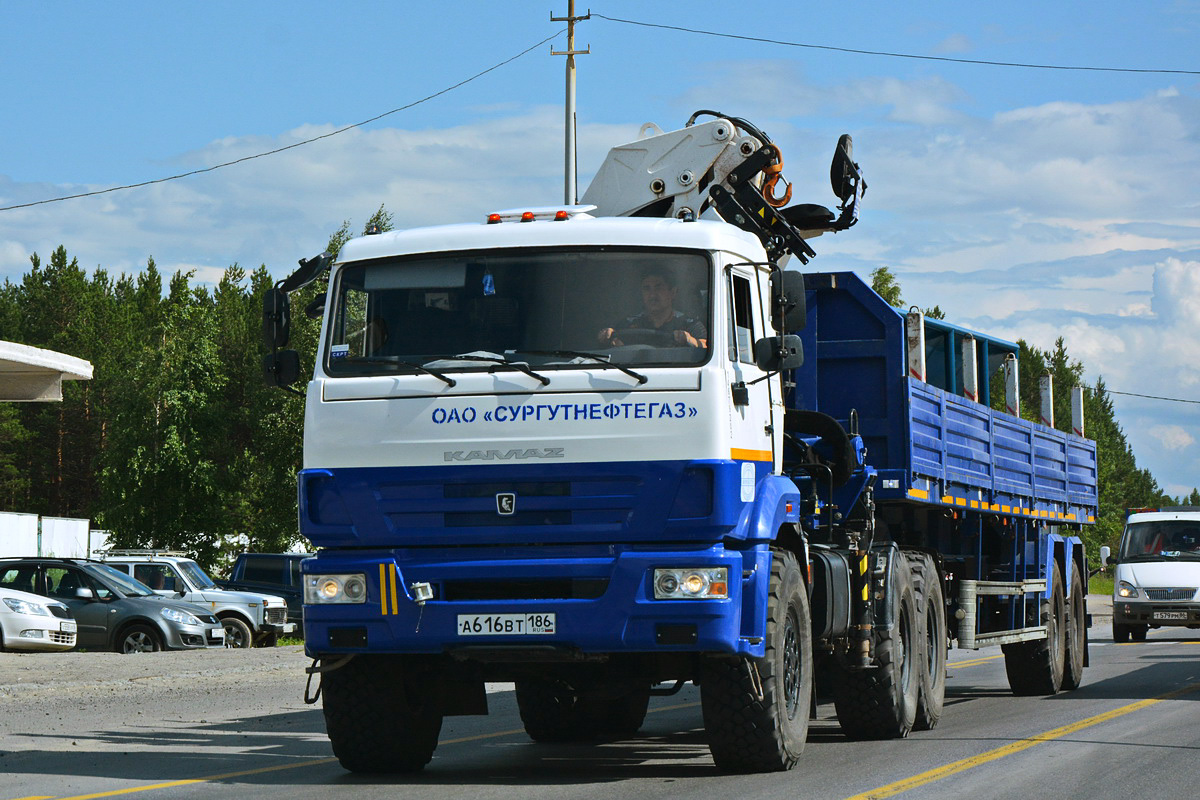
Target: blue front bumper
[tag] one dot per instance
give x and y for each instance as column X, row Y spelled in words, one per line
column 601, row 596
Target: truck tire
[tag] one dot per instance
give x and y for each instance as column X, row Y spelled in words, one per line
column 1076, row 633
column 1121, row 632
column 1036, row 668
column 1138, row 632
column 756, row 710
column 881, row 703
column 237, row 633
column 555, row 711
column 138, row 639
column 381, row 715
column 931, row 697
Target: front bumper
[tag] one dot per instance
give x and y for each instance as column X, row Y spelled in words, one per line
column 1133, row 612
column 195, row 637
column 601, row 598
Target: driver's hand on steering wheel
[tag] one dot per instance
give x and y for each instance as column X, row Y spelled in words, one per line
column 607, row 336
column 683, row 337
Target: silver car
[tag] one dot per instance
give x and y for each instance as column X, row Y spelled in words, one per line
column 112, row 610
column 30, row 622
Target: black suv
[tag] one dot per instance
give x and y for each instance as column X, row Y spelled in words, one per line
column 114, row 611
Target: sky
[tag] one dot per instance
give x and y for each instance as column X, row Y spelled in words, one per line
column 1026, row 202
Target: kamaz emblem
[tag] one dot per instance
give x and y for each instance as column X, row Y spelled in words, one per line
column 519, row 454
column 506, row 503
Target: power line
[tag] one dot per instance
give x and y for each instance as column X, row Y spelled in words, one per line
column 895, row 55
column 1151, row 396
column 294, row 145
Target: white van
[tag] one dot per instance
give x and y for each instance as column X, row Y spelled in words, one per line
column 1157, row 580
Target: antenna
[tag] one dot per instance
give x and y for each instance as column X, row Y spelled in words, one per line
column 570, row 193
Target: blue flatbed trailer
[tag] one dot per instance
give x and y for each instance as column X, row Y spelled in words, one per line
column 999, row 498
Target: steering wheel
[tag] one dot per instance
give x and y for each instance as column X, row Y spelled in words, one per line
column 646, row 336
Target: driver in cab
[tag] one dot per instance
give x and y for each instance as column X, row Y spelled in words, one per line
column 660, row 320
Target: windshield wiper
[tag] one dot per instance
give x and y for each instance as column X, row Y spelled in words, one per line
column 401, row 363
column 600, row 359
column 499, row 361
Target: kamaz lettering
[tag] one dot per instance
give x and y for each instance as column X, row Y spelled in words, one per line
column 504, row 455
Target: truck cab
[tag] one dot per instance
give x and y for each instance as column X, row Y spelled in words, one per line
column 1157, row 578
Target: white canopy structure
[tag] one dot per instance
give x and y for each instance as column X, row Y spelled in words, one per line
column 31, row 374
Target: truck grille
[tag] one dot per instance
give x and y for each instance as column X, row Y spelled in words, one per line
column 276, row 616
column 1171, row 594
column 527, row 589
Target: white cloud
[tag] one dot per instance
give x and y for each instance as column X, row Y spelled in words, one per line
column 1172, row 437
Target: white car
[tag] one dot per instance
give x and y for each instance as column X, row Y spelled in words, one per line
column 32, row 622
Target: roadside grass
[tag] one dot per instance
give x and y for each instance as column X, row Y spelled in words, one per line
column 1100, row 584
column 286, row 640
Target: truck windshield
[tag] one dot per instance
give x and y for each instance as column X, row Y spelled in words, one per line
column 1161, row 539
column 542, row 308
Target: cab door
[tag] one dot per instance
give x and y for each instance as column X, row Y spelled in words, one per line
column 752, row 440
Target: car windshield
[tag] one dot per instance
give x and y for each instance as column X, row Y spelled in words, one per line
column 541, row 309
column 126, row 585
column 1159, row 540
column 195, row 575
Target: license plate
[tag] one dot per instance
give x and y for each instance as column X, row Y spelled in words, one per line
column 1170, row 615
column 506, row 624
column 67, row 627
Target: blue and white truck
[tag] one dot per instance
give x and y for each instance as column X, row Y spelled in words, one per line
column 604, row 450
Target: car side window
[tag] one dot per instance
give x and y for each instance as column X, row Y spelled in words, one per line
column 62, row 582
column 263, row 570
column 156, row 576
column 18, row 578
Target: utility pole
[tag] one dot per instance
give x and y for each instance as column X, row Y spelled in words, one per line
column 571, row 193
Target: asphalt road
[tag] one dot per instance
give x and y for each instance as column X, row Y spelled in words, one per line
column 233, row 724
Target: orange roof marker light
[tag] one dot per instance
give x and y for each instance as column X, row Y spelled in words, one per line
column 544, row 214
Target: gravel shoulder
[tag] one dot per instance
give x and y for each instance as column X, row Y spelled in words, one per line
column 74, row 673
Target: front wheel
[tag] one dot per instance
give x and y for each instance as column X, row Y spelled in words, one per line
column 138, row 639
column 756, row 709
column 382, row 714
column 237, row 633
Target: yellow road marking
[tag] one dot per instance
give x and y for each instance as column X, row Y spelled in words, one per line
column 955, row 767
column 971, row 662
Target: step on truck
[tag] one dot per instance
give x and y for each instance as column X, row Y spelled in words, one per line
column 601, row 451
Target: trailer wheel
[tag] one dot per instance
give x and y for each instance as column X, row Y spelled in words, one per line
column 1076, row 633
column 1036, row 668
column 555, row 711
column 756, row 709
column 381, row 715
column 932, row 695
column 881, row 703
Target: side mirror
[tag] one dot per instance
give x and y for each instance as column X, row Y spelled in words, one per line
column 277, row 318
column 84, row 593
column 788, row 309
column 282, row 368
column 779, row 353
column 842, row 171
column 1106, row 556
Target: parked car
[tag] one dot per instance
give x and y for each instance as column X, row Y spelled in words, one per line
column 249, row 618
column 30, row 622
column 277, row 573
column 114, row 611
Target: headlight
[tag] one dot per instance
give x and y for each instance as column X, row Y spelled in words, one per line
column 322, row 589
column 180, row 617
column 1126, row 589
column 26, row 607
column 696, row 583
